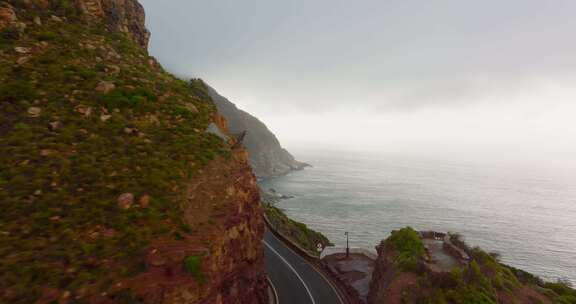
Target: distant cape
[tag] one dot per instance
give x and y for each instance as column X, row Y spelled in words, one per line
column 267, row 157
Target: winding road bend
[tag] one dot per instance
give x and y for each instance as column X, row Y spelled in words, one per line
column 295, row 280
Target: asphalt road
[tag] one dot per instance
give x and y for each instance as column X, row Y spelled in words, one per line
column 294, row 279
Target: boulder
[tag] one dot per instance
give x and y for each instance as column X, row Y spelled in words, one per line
column 105, row 117
column 145, row 201
column 7, row 15
column 125, row 201
column 191, row 107
column 22, row 60
column 22, row 50
column 84, row 110
column 105, row 87
column 56, row 18
column 34, row 111
column 54, row 125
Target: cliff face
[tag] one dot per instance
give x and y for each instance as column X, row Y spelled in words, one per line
column 267, row 156
column 111, row 190
column 406, row 273
column 125, row 16
column 222, row 202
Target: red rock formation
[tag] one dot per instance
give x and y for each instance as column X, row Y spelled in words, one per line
column 126, row 16
column 7, row 15
column 224, row 201
column 466, row 283
column 384, row 272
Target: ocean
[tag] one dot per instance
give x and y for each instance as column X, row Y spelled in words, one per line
column 526, row 214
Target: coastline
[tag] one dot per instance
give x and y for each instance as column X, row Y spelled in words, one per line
column 373, row 197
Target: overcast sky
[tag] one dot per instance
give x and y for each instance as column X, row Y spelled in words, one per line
column 487, row 77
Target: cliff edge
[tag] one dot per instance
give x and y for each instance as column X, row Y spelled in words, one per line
column 112, row 190
column 267, row 157
column 431, row 267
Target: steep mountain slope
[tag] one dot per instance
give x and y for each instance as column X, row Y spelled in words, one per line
column 111, row 190
column 267, row 156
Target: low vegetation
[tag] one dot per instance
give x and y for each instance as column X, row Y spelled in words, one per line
column 298, row 232
column 96, row 143
column 409, row 249
column 483, row 280
column 562, row 291
column 193, row 265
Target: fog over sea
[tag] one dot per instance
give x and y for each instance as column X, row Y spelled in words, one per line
column 526, row 213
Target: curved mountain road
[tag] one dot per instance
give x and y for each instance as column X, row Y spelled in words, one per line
column 295, row 280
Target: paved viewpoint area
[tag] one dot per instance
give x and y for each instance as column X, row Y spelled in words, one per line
column 440, row 260
column 354, row 271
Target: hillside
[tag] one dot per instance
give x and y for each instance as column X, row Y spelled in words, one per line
column 406, row 272
column 267, row 156
column 111, row 190
column 297, row 232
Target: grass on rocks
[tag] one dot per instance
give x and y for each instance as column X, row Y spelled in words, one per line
column 484, row 280
column 298, row 232
column 409, row 248
column 69, row 150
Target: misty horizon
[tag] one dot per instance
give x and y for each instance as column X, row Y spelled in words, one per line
column 474, row 80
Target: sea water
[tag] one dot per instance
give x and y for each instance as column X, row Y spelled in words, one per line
column 526, row 214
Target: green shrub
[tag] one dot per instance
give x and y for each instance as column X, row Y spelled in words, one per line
column 47, row 35
column 14, row 90
column 565, row 294
column 65, row 8
column 298, row 232
column 193, row 265
column 199, row 88
column 410, row 248
column 139, row 99
column 8, row 36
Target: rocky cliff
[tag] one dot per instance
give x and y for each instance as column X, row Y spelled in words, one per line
column 407, row 271
column 125, row 16
column 111, row 188
column 267, row 156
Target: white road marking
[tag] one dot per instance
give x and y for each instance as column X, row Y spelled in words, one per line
column 294, row 270
column 316, row 270
column 276, row 300
column 331, row 285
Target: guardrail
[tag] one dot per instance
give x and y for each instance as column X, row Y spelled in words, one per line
column 315, row 262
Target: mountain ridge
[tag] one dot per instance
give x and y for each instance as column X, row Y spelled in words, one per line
column 267, row 157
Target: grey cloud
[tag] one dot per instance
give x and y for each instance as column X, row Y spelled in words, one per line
column 301, row 55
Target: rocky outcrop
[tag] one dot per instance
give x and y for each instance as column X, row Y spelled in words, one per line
column 229, row 248
column 483, row 280
column 7, row 15
column 384, row 272
column 267, row 156
column 126, row 16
